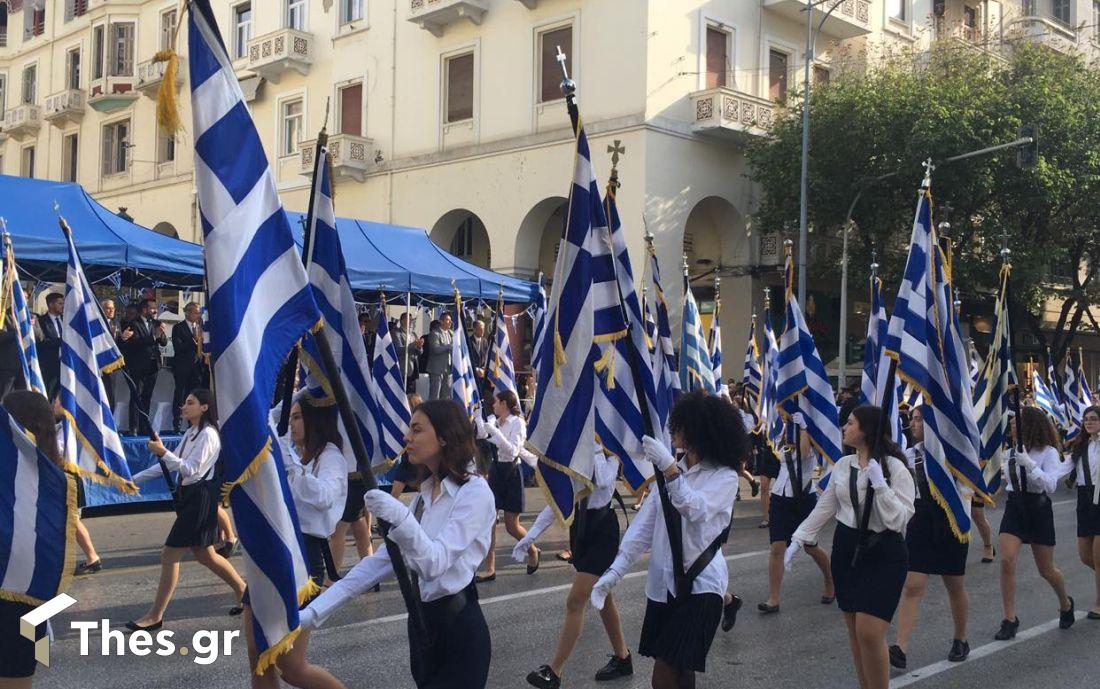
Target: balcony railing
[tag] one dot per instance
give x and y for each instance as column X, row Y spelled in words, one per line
column 151, row 73
column 435, row 16
column 108, row 94
column 851, row 18
column 271, row 55
column 350, row 156
column 1051, row 33
column 23, row 121
column 725, row 112
column 64, row 107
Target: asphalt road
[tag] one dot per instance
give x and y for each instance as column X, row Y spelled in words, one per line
column 803, row 647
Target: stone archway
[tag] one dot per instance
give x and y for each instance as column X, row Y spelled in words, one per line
column 463, row 234
column 538, row 236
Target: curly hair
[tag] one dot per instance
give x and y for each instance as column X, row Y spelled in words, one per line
column 1037, row 430
column 712, row 428
column 456, row 433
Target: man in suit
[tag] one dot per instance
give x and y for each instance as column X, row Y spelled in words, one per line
column 408, row 348
column 120, row 337
column 143, row 361
column 439, row 359
column 479, row 357
column 187, row 364
column 47, row 333
column 369, row 330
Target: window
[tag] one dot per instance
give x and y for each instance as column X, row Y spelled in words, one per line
column 34, row 19
column 821, row 75
column 351, row 109
column 72, row 69
column 777, row 75
column 75, row 8
column 3, row 25
column 30, row 84
column 549, row 70
column 167, row 29
column 115, row 145
column 26, row 164
column 70, row 150
column 1061, row 9
column 296, row 14
column 292, row 127
column 462, row 244
column 896, row 10
column 718, row 62
column 166, row 147
column 459, row 88
column 1096, row 20
column 122, row 50
column 98, row 51
column 351, row 11
column 242, row 29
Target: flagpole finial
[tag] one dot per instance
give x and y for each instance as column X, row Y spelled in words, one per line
column 928, row 168
column 616, row 149
column 717, row 282
column 874, row 262
column 568, row 86
column 767, row 299
column 685, row 257
column 1006, row 253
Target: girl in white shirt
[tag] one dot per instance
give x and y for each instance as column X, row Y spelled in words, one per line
column 195, row 462
column 443, row 538
column 1029, row 476
column 507, row 430
column 1086, row 462
column 682, row 615
column 869, row 558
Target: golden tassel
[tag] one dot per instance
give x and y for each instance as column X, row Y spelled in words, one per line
column 168, row 107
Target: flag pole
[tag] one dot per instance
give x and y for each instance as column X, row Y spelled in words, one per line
column 1006, row 268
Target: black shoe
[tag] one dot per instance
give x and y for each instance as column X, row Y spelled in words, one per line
column 755, row 488
column 897, row 657
column 544, row 678
column 531, row 569
column 987, row 560
column 616, row 667
column 729, row 613
column 226, row 549
column 135, row 627
column 89, row 567
column 1066, row 618
column 767, row 609
column 485, row 578
column 960, row 651
column 1093, row 615
column 1008, row 630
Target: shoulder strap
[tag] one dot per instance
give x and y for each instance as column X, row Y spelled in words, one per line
column 705, row 559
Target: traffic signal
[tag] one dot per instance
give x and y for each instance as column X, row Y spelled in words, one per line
column 1027, row 154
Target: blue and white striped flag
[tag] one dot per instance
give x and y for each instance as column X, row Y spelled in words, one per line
column 561, row 431
column 87, row 351
column 260, row 304
column 802, row 385
column 922, row 335
column 463, row 382
column 752, row 375
column 1073, row 395
column 696, row 369
column 769, row 400
column 975, row 363
column 876, row 366
column 650, row 321
column 502, row 371
column 714, row 337
column 37, row 519
column 538, row 326
column 1046, row 400
column 992, row 399
column 392, row 402
column 1083, row 380
column 21, row 317
column 665, row 367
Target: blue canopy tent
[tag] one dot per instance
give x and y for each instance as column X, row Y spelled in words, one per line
column 106, row 242
column 392, row 258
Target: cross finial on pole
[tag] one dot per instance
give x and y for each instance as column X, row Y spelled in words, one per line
column 928, row 169
column 568, row 86
column 616, row 149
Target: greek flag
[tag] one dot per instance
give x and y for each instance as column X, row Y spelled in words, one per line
column 538, row 327
column 561, row 431
column 21, row 317
column 802, row 384
column 991, row 395
column 923, row 338
column 1046, row 400
column 328, row 277
column 975, row 363
column 665, row 366
column 876, row 365
column 501, row 371
column 696, row 369
column 1074, row 396
column 463, row 383
column 715, row 339
column 87, row 351
column 1086, row 393
column 752, row 375
column 392, row 403
column 620, row 425
column 37, row 519
column 650, row 322
column 769, row 401
column 260, row 304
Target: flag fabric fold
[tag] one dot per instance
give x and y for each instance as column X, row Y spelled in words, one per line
column 752, row 376
column 992, row 399
column 665, row 365
column 463, row 382
column 696, row 369
column 21, row 318
column 501, row 371
column 714, row 338
column 393, row 414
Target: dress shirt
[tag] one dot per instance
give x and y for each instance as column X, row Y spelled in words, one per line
column 448, row 544
column 193, row 459
column 1094, row 464
column 1050, row 467
column 783, row 485
column 320, row 488
column 509, row 437
column 703, row 495
column 892, row 508
column 921, row 452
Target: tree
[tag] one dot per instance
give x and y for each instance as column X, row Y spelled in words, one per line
column 887, row 119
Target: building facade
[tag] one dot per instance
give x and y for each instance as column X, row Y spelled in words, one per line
column 447, row 114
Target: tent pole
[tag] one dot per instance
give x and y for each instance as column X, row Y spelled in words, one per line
column 408, row 339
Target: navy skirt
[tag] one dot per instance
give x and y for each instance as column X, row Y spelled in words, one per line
column 16, row 651
column 506, row 480
column 933, row 548
column 873, row 585
column 680, row 633
column 1088, row 514
column 196, row 524
column 1030, row 518
column 767, row 464
column 461, row 648
column 785, row 514
column 594, row 550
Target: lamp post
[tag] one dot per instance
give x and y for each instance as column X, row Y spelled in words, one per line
column 811, row 37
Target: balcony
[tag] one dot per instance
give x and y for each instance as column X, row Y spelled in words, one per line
column 970, row 36
column 151, row 73
column 722, row 111
column 434, row 16
column 1043, row 31
column 273, row 54
column 64, row 107
column 350, row 156
column 23, row 121
column 852, row 18
column 108, row 94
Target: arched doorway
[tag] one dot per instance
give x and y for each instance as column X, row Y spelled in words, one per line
column 463, row 234
column 166, row 229
column 538, row 237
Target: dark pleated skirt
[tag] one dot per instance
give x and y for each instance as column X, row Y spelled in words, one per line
column 933, row 548
column 873, row 585
column 785, row 514
column 767, row 464
column 1029, row 517
column 680, row 634
column 16, row 651
column 462, row 649
column 1088, row 514
column 196, row 524
column 595, row 549
column 506, row 480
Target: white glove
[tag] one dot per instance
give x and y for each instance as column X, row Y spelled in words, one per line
column 385, row 506
column 307, row 619
column 491, row 422
column 798, row 420
column 479, row 423
column 792, row 550
column 603, row 588
column 658, row 453
column 1025, row 460
column 519, row 552
column 874, row 474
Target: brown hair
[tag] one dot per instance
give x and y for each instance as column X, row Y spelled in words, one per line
column 872, row 421
column 511, row 401
column 32, row 411
column 456, row 436
column 1036, row 430
column 319, row 424
column 1082, row 441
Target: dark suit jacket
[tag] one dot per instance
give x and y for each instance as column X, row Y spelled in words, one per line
column 143, row 356
column 479, row 355
column 186, row 356
column 9, row 347
column 49, row 347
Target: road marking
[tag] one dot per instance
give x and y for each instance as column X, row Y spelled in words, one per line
column 509, row 596
column 979, row 652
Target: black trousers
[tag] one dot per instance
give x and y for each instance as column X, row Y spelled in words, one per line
column 138, row 420
column 109, row 386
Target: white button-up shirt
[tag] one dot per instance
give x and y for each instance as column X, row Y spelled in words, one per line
column 703, row 495
column 1094, row 464
column 891, row 510
column 320, row 488
column 783, row 485
column 509, row 437
column 919, row 451
column 193, row 459
column 447, row 546
column 604, row 477
column 1050, row 467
